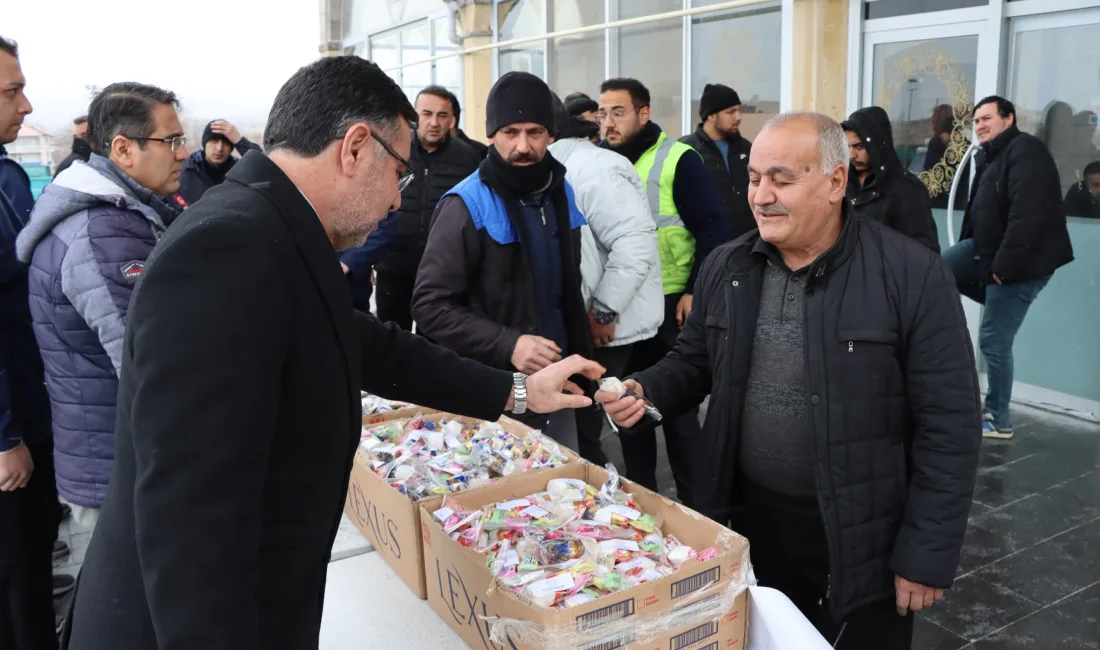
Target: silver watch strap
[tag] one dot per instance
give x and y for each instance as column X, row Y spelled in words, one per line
column 519, row 391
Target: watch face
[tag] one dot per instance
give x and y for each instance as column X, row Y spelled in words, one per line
column 604, row 318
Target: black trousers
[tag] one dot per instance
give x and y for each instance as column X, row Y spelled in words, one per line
column 681, row 431
column 28, row 525
column 590, row 421
column 789, row 553
column 394, row 299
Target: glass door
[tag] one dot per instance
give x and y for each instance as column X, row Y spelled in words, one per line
column 925, row 78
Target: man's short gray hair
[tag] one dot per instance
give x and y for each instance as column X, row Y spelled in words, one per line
column 832, row 143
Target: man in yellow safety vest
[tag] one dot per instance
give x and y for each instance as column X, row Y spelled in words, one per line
column 690, row 224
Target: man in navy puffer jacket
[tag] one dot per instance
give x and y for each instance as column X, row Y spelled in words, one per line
column 87, row 241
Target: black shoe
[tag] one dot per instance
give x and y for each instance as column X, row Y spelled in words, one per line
column 62, row 584
column 60, row 549
column 66, row 511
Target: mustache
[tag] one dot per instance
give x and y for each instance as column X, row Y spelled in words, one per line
column 523, row 157
column 772, row 210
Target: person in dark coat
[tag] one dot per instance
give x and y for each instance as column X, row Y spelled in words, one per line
column 1083, row 197
column 879, row 186
column 842, row 434
column 81, row 149
column 242, row 370
column 440, row 161
column 1014, row 236
column 208, row 166
column 29, row 512
column 500, row 280
column 725, row 152
column 481, row 148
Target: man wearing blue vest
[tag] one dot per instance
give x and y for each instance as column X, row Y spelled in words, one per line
column 500, row 278
column 691, row 222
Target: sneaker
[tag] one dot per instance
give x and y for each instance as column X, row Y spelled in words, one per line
column 62, row 584
column 990, row 430
column 60, row 549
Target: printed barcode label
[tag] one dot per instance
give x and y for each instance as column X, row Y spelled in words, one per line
column 614, row 612
column 694, row 583
column 693, row 636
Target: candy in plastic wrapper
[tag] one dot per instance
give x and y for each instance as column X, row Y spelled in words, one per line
column 616, row 386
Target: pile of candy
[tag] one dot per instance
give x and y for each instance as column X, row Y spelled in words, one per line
column 421, row 457
column 570, row 544
column 373, row 404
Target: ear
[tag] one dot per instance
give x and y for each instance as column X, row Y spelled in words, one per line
column 356, row 149
column 838, row 184
column 122, row 151
column 643, row 115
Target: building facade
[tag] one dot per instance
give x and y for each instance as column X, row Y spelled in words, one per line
column 924, row 61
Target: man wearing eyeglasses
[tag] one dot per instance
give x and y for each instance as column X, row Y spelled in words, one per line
column 691, row 222
column 87, row 242
column 241, row 376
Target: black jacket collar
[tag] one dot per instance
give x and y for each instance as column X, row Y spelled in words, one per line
column 998, row 144
column 640, row 143
column 829, row 261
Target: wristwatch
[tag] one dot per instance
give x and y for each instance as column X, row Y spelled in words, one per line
column 519, row 389
column 604, row 317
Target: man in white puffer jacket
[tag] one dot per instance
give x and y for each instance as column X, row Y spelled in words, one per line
column 620, row 267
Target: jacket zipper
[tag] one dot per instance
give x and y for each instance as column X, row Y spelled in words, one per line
column 542, row 213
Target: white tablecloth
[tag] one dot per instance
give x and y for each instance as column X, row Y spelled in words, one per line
column 367, row 607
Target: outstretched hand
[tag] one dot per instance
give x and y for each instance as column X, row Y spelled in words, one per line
column 550, row 389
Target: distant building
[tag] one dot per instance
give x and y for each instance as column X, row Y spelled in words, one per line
column 31, row 147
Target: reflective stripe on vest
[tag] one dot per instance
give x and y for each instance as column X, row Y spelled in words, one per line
column 675, row 243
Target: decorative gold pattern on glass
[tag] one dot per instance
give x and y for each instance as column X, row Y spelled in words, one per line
column 927, row 59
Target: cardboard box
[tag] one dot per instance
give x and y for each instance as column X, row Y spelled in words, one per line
column 390, row 520
column 703, row 606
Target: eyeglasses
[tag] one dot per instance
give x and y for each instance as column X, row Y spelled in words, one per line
column 406, row 178
column 617, row 114
column 176, row 142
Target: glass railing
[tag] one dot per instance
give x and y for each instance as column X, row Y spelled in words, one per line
column 1058, row 347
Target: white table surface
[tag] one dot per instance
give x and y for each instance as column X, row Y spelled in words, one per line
column 367, row 607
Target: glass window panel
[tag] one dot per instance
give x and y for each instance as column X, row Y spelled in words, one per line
column 927, row 89
column 653, row 53
column 1056, row 89
column 577, row 62
column 383, row 51
column 889, row 8
column 520, row 19
column 448, row 72
column 740, row 49
column 415, row 46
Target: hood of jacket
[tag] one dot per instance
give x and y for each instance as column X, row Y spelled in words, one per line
column 872, row 125
column 99, row 182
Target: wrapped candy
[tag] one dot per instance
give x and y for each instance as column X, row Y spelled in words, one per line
column 423, row 457
column 571, row 543
column 616, row 386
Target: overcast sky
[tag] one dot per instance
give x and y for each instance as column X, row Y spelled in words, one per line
column 223, row 58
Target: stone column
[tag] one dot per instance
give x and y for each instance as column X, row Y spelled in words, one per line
column 475, row 21
column 820, row 57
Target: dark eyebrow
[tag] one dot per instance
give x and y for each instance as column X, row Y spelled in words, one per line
column 774, row 169
column 613, row 108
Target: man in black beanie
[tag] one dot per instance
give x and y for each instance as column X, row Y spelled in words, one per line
column 725, row 152
column 208, row 166
column 500, row 278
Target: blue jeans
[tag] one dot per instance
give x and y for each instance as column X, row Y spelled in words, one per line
column 1005, row 308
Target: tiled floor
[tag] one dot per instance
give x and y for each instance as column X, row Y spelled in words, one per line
column 1029, row 575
